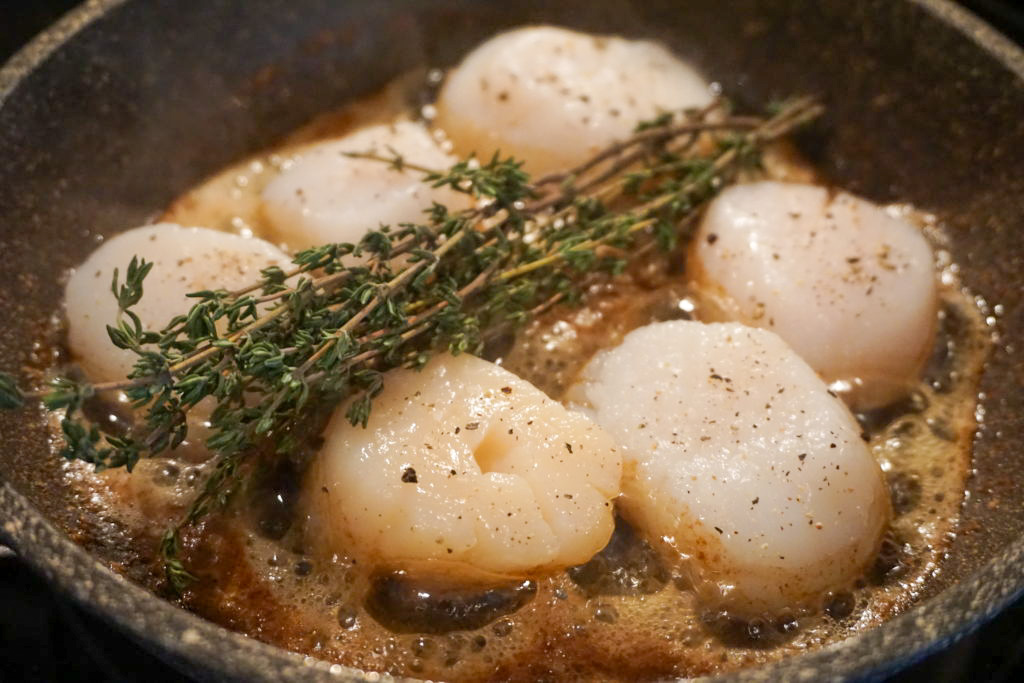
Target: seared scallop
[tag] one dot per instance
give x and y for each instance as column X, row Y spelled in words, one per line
column 185, row 260
column 464, row 463
column 553, row 97
column 738, row 457
column 326, row 196
column 850, row 287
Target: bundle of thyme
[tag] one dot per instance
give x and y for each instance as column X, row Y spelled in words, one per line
column 328, row 329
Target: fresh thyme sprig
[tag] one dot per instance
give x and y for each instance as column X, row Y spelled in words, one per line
column 328, row 329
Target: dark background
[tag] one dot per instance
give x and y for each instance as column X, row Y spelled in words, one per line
column 44, row 637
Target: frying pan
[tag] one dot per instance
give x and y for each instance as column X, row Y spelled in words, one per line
column 124, row 104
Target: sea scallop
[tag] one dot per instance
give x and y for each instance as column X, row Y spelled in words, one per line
column 185, row 260
column 849, row 286
column 327, row 196
column 553, row 97
column 464, row 463
column 738, row 456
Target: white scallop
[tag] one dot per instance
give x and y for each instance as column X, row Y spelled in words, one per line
column 851, row 288
column 464, row 462
column 553, row 97
column 185, row 260
column 325, row 196
column 738, row 456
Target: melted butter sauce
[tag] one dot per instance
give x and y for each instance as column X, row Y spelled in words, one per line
column 627, row 614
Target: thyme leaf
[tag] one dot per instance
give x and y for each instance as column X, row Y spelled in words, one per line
column 10, row 395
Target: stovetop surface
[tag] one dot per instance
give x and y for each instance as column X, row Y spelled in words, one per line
column 45, row 637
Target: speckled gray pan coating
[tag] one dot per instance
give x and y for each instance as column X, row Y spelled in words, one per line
column 122, row 105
